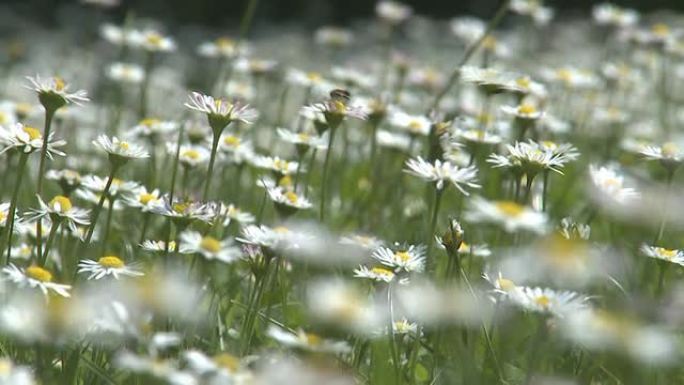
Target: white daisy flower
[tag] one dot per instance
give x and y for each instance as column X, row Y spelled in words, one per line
column 209, row 247
column 126, row 73
column 524, row 111
column 532, row 157
column 120, row 151
column 274, row 163
column 393, row 12
column 54, row 92
column 118, row 187
column 35, row 277
column 190, row 155
column 223, row 47
column 408, row 259
column 288, row 199
column 412, row 124
column 609, row 185
column 274, row 238
column 507, row 214
column 548, row 301
column 12, row 374
column 378, row 273
column 303, row 139
column 153, row 129
column 669, row 153
column 669, row 255
column 157, row 246
column 613, row 15
column 307, row 341
column 333, row 36
column 105, row 266
column 393, row 140
column 441, row 172
column 4, row 213
column 27, row 140
column 152, row 41
column 185, row 212
column 232, row 213
column 143, row 199
column 60, row 209
column 220, row 112
column 367, row 242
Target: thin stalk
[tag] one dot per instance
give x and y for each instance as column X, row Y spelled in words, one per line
column 309, row 170
column 146, row 223
column 98, row 208
column 545, row 189
column 174, row 173
column 13, row 204
column 145, row 85
column 108, row 224
column 49, row 114
column 50, row 241
column 326, row 165
column 212, row 160
column 663, row 220
column 433, row 222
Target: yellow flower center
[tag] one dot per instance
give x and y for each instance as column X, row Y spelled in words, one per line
column 285, row 181
column 527, row 109
column 181, row 208
column 191, row 154
column 280, row 164
column 666, row 253
column 146, row 198
column 149, row 122
column 510, row 208
column 403, row 256
column 154, row 39
column 565, row 75
column 227, row 361
column 281, row 230
column 124, row 145
column 489, row 42
column 33, row 133
column 382, row 272
column 314, row 77
column 231, row 140
column 670, row 149
column 210, row 244
column 543, row 301
column 660, row 30
column 505, row 284
column 39, row 274
column 313, row 339
column 304, row 137
column 225, row 43
column 523, row 82
column 5, row 367
column 61, row 204
column 415, row 125
column 111, row 261
column 291, row 197
column 59, row 83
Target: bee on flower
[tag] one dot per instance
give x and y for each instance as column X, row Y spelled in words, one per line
column 109, row 265
column 35, row 277
column 337, row 108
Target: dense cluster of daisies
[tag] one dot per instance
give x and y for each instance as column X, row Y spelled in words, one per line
column 389, row 204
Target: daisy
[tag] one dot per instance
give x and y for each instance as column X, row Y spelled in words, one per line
column 276, row 164
column 378, row 273
column 334, row 37
column 393, row 140
column 302, row 139
column 509, row 215
column 609, row 185
column 501, row 286
column 336, row 109
column 548, row 301
column 117, row 35
column 613, row 15
column 534, row 9
column 143, row 199
column 107, row 265
column 118, row 187
column 235, row 148
column 307, row 341
column 184, row 212
column 232, row 213
column 669, row 154
column 476, row 137
column 220, row 112
column 223, row 47
column 287, row 200
column 69, row 180
column 209, row 247
column 60, row 209
column 670, row 255
column 525, row 112
column 152, row 129
column 190, row 155
column 274, row 238
column 255, row 67
column 4, row 213
column 28, row 139
column 412, row 124
column 35, row 277
column 367, row 242
column 467, row 28
column 126, row 73
column 120, row 151
column 158, row 246
column 12, row 374
column 152, row 41
column 309, row 80
column 53, row 92
column 441, row 172
column 408, row 259
column 533, row 157
column 393, row 12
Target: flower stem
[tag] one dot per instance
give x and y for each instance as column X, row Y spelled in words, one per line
column 98, row 208
column 174, row 173
column 110, row 214
column 49, row 114
column 13, row 204
column 212, row 160
column 433, row 222
column 50, row 241
column 326, row 165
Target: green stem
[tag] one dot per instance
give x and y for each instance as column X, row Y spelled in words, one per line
column 324, row 180
column 433, row 222
column 108, row 224
column 174, row 173
column 49, row 114
column 146, row 223
column 13, row 204
column 212, row 160
column 100, row 203
column 145, row 85
column 48, row 244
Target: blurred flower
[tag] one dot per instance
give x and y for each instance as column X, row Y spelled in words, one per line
column 35, row 277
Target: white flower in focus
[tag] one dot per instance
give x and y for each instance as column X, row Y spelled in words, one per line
column 105, row 266
column 409, row 259
column 120, row 151
column 669, row 255
column 441, row 172
column 35, row 277
column 28, row 139
column 209, row 247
